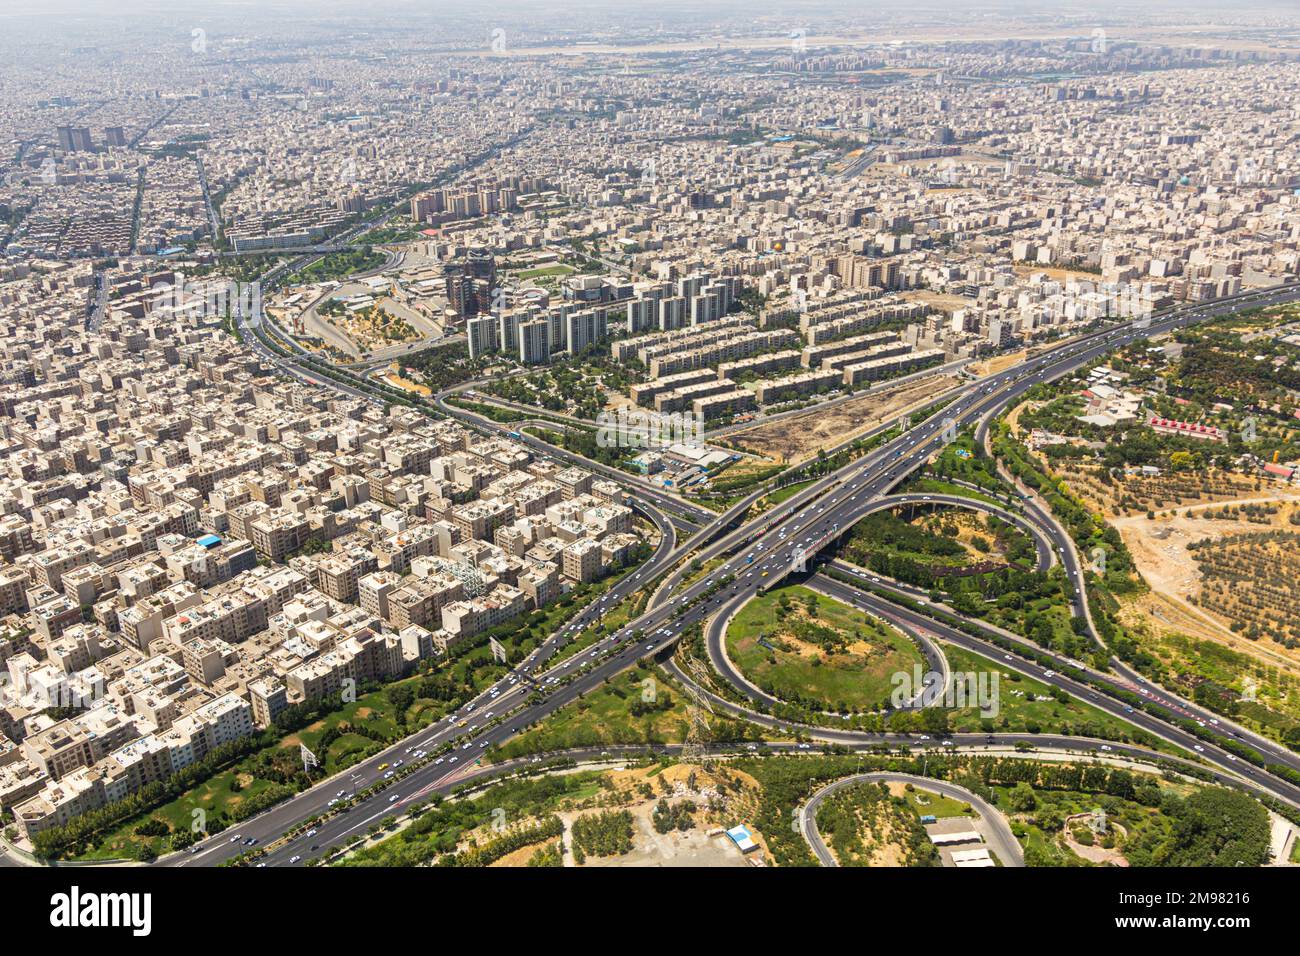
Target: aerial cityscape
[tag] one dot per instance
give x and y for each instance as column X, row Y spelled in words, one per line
column 689, row 434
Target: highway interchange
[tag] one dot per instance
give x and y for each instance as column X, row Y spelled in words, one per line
column 754, row 556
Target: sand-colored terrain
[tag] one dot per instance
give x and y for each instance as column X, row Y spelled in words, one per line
column 999, row 363
column 800, row 437
column 1160, row 551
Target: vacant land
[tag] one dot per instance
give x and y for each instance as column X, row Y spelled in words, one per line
column 1211, row 577
column 999, row 363
column 800, row 437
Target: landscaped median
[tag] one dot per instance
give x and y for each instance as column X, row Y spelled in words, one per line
column 805, row 648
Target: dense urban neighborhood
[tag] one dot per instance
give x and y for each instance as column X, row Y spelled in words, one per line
column 694, row 437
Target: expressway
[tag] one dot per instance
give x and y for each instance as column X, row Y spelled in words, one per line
column 1000, row 838
column 912, row 622
column 285, row 840
column 776, row 540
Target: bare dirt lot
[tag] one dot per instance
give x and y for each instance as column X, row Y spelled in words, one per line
column 693, row 847
column 940, row 301
column 1160, row 551
column 800, row 437
column 997, row 364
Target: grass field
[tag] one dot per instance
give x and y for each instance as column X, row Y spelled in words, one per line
column 934, row 804
column 607, row 715
column 558, row 270
column 803, row 647
column 788, row 492
column 1026, row 705
column 937, row 486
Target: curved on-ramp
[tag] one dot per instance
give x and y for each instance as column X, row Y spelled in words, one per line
column 1042, row 541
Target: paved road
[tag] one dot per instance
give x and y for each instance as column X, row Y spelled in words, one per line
column 280, row 849
column 1000, row 839
column 806, row 523
column 1041, row 536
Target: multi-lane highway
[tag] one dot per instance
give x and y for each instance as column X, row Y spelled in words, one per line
column 755, row 556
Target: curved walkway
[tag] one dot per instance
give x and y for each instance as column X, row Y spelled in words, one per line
column 1000, row 839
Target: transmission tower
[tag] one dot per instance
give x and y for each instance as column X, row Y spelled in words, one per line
column 695, row 749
